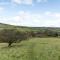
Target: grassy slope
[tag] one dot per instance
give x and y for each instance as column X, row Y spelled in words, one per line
column 33, row 49
column 5, row 26
column 2, row 25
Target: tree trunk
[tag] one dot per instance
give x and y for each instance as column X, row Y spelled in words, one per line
column 9, row 44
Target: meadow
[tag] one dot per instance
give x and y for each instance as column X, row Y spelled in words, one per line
column 32, row 49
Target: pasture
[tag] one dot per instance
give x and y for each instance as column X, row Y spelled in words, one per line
column 32, row 49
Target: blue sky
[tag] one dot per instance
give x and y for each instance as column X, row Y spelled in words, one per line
column 35, row 13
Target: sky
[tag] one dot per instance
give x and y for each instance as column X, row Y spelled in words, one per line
column 33, row 13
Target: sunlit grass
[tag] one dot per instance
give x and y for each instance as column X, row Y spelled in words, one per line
column 33, row 49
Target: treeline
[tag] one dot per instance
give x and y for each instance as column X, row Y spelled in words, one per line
column 16, row 35
column 45, row 33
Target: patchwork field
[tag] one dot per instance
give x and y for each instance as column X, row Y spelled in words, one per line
column 33, row 49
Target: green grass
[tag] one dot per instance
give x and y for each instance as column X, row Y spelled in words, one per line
column 33, row 49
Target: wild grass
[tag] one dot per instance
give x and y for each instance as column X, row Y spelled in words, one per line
column 33, row 49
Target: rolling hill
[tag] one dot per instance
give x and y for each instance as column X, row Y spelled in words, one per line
column 3, row 25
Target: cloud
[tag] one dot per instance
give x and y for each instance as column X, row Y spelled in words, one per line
column 41, row 1
column 22, row 1
column 28, row 2
column 52, row 14
column 46, row 19
column 17, row 1
column 1, row 9
column 38, row 0
column 25, row 18
column 47, row 13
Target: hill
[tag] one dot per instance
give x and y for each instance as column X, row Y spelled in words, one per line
column 2, row 25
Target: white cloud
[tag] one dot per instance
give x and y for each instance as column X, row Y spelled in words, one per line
column 47, row 13
column 28, row 2
column 22, row 1
column 52, row 14
column 1, row 10
column 41, row 1
column 50, row 19
column 17, row 1
column 38, row 0
column 24, row 18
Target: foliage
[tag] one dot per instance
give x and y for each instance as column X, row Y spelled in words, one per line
column 12, row 35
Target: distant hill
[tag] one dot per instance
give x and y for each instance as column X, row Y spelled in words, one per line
column 2, row 25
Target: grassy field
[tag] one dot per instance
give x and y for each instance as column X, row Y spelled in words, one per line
column 33, row 49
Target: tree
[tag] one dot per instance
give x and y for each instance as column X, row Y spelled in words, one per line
column 8, row 36
column 11, row 35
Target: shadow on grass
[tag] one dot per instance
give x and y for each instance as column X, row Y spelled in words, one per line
column 13, row 46
column 44, row 43
column 58, row 57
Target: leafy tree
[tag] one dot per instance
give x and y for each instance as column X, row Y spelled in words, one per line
column 12, row 35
